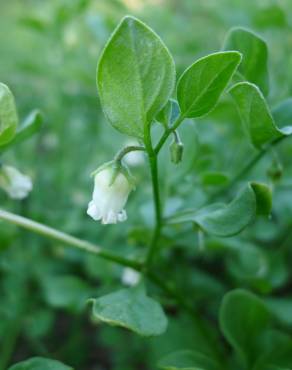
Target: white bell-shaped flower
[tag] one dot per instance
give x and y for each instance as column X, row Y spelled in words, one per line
column 112, row 186
column 16, row 184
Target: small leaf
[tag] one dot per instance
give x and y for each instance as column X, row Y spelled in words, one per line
column 254, row 64
column 214, row 179
column 187, row 360
column 8, row 115
column 29, row 127
column 131, row 309
column 201, row 85
column 228, row 220
column 135, row 77
column 243, row 317
column 263, row 195
column 40, row 363
column 256, row 116
column 169, row 113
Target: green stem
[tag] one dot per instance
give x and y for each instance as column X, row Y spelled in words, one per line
column 247, row 168
column 167, row 132
column 158, row 214
column 66, row 239
column 51, row 233
column 119, row 156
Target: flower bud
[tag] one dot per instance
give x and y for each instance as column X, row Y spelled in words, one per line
column 176, row 151
column 16, row 185
column 112, row 186
column 130, row 277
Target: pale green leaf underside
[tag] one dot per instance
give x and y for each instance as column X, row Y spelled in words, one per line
column 240, row 307
column 131, row 309
column 231, row 219
column 135, row 77
column 40, row 363
column 254, row 64
column 187, row 360
column 201, row 85
column 255, row 115
column 8, row 115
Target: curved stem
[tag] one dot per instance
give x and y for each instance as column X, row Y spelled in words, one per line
column 167, row 132
column 119, row 156
column 67, row 239
column 86, row 246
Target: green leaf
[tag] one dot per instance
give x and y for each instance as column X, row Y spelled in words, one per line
column 281, row 308
column 169, row 113
column 243, row 317
column 256, row 116
column 66, row 291
column 201, row 85
column 282, row 113
column 8, row 115
column 40, row 363
column 254, row 64
column 29, row 127
column 214, row 179
column 228, row 220
column 131, row 309
column 187, row 360
column 273, row 347
column 135, row 77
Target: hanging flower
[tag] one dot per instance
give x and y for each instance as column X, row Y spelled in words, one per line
column 16, row 184
column 112, row 186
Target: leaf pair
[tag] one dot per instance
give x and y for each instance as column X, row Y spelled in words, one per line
column 136, row 77
column 227, row 220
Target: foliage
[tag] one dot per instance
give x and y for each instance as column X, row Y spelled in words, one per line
column 195, row 100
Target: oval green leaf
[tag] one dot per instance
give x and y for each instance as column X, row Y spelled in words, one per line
column 131, row 309
column 135, row 77
column 201, row 85
column 243, row 317
column 254, row 64
column 40, row 363
column 187, row 360
column 255, row 115
column 8, row 115
column 31, row 125
column 231, row 219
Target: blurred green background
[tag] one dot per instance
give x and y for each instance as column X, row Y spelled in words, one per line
column 48, row 55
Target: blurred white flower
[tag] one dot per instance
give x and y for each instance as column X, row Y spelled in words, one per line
column 130, row 277
column 16, row 184
column 112, row 187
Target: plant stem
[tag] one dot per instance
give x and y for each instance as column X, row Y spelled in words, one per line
column 67, row 239
column 119, row 156
column 249, row 165
column 167, row 132
column 158, row 214
column 64, row 238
